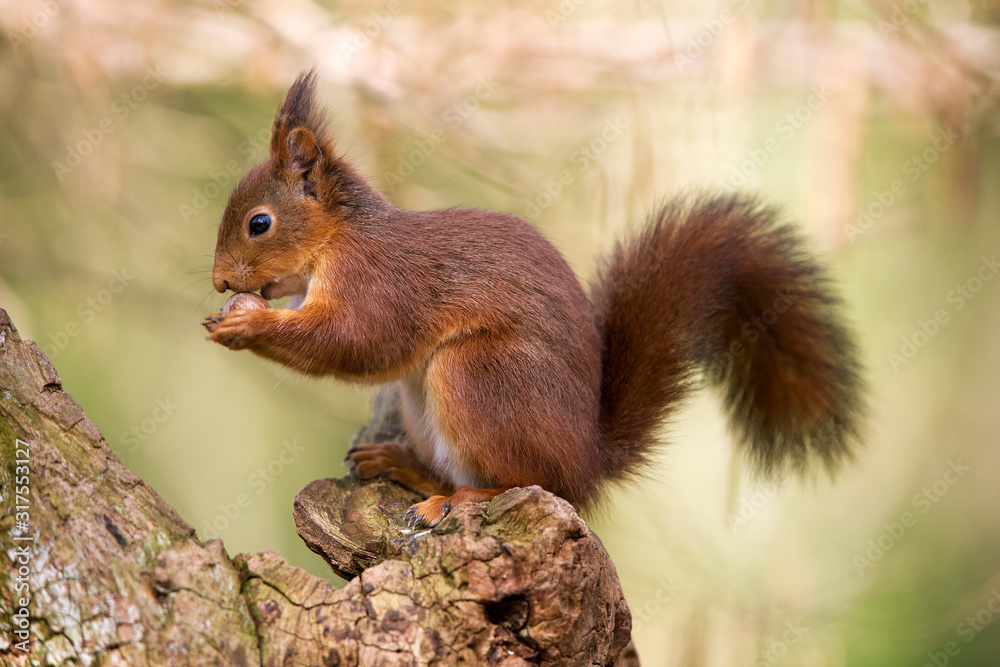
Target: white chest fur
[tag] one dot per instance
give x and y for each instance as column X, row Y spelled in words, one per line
column 431, row 446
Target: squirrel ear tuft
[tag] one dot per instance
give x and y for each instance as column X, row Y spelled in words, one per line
column 298, row 110
column 299, row 144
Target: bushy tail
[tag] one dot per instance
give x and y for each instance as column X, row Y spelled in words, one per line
column 717, row 284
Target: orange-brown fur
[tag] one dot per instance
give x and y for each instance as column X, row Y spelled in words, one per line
column 508, row 375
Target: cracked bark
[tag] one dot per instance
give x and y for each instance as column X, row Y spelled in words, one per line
column 117, row 577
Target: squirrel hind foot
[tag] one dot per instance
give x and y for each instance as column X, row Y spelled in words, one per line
column 430, row 512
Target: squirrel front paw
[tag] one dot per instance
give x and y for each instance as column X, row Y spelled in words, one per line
column 232, row 326
column 234, row 330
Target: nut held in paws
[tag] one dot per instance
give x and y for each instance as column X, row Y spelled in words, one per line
column 245, row 301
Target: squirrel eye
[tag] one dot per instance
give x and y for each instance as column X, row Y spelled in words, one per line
column 259, row 224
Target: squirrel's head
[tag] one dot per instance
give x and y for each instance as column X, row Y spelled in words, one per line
column 288, row 206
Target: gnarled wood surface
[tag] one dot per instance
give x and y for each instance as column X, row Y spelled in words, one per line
column 113, row 576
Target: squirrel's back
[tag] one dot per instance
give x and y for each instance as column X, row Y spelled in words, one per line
column 462, row 270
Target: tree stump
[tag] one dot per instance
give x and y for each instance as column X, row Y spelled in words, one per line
column 97, row 569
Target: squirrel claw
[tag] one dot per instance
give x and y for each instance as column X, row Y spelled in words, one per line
column 414, row 519
column 210, row 321
column 427, row 513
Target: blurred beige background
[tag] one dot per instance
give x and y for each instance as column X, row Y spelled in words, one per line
column 874, row 124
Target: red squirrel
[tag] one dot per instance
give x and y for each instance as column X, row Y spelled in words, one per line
column 508, row 374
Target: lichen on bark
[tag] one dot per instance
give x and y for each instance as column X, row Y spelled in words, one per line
column 116, row 577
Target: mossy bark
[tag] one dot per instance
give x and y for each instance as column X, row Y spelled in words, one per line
column 112, row 575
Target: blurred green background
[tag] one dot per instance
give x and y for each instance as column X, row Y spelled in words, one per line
column 125, row 125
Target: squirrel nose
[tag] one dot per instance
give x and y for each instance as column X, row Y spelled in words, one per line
column 218, row 282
